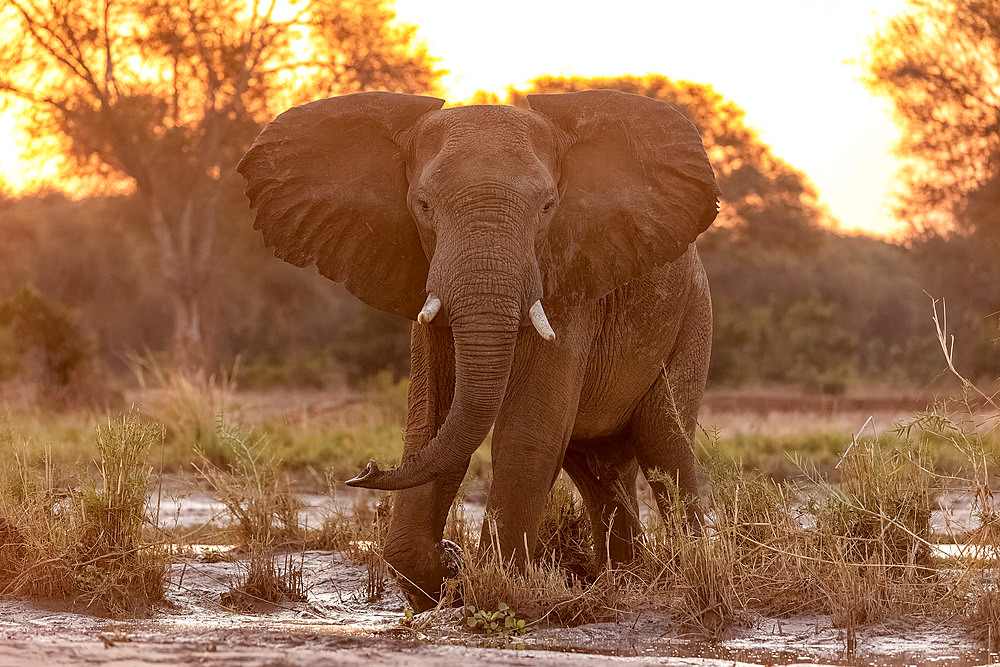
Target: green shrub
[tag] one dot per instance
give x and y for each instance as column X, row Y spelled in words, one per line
column 35, row 328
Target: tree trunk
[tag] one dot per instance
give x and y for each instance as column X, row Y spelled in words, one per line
column 188, row 347
column 186, row 258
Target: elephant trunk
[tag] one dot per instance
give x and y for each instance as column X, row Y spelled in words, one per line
column 485, row 324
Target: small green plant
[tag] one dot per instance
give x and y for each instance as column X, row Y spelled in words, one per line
column 500, row 623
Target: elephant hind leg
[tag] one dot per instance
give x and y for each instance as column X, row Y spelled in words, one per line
column 663, row 425
column 604, row 473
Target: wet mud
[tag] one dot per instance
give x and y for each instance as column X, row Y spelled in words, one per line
column 340, row 624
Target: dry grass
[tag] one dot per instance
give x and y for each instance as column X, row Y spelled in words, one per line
column 541, row 592
column 78, row 537
column 564, row 535
column 264, row 523
column 264, row 518
column 261, row 582
column 367, row 546
column 859, row 548
column 191, row 406
column 338, row 527
column 258, row 499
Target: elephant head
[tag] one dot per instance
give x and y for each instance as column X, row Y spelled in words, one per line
column 472, row 217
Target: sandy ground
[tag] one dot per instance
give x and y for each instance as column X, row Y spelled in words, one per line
column 338, row 625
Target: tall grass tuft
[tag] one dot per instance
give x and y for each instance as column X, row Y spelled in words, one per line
column 367, row 546
column 873, row 533
column 83, row 539
column 256, row 495
column 564, row 535
column 264, row 517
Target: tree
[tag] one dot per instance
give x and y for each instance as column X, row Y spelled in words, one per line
column 938, row 63
column 767, row 201
column 167, row 95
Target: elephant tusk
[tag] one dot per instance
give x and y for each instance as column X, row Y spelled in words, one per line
column 537, row 315
column 430, row 309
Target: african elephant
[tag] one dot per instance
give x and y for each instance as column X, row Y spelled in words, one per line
column 466, row 220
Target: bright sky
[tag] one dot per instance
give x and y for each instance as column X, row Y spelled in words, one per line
column 786, row 62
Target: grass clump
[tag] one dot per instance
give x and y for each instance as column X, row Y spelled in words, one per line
column 881, row 511
column 83, row 538
column 367, row 547
column 258, row 499
column 264, row 517
column 873, row 535
column 686, row 573
column 969, row 427
column 261, row 582
column 564, row 535
column 542, row 590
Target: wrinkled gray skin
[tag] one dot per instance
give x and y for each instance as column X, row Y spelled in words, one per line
column 588, row 201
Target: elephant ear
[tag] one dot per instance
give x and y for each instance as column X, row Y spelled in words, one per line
column 636, row 189
column 329, row 184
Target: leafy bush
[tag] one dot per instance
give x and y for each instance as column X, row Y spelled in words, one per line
column 40, row 341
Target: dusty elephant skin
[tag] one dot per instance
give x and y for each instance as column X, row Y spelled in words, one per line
column 546, row 257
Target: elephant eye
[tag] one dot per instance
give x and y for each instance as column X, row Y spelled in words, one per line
column 424, row 206
column 548, row 206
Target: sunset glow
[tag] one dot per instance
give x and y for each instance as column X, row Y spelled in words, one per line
column 787, row 62
column 790, row 65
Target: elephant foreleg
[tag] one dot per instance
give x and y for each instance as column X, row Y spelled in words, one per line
column 414, row 547
column 529, row 440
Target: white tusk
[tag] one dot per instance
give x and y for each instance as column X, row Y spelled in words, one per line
column 542, row 326
column 430, row 309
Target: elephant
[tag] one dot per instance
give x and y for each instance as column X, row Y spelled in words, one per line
column 546, row 258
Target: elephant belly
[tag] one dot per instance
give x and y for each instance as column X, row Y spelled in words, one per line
column 639, row 327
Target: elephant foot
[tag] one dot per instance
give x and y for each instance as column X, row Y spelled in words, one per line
column 421, row 574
